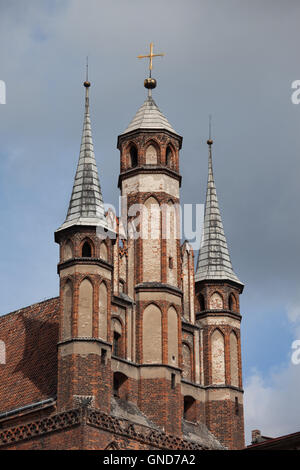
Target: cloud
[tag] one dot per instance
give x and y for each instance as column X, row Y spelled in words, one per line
column 272, row 402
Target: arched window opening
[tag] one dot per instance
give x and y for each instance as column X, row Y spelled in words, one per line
column 86, row 250
column 201, row 302
column 133, row 156
column 189, row 409
column 116, row 344
column 169, row 155
column 117, row 338
column 120, row 386
column 232, row 303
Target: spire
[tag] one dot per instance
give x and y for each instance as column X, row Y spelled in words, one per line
column 86, row 204
column 213, row 260
column 149, row 117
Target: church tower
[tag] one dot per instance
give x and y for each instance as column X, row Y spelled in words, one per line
column 149, row 182
column 85, row 271
column 218, row 316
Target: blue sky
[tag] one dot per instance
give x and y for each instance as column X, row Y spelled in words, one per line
column 235, row 60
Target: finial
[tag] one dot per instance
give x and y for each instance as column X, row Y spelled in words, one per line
column 150, row 82
column 210, row 141
column 87, row 84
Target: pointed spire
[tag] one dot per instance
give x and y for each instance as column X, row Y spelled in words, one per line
column 86, row 205
column 213, row 260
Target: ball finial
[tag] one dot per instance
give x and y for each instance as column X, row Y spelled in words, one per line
column 210, row 142
column 150, row 83
column 87, row 84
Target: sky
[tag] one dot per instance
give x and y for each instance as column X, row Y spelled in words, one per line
column 234, row 59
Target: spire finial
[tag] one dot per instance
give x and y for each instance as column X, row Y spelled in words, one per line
column 87, row 84
column 150, row 82
column 210, row 141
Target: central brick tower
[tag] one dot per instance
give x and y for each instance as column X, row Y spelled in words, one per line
column 149, row 177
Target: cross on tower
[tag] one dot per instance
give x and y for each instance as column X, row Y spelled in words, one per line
column 150, row 57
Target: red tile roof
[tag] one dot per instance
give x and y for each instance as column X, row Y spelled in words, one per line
column 30, row 373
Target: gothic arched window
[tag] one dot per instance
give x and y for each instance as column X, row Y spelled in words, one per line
column 201, row 302
column 133, row 156
column 169, row 157
column 86, row 250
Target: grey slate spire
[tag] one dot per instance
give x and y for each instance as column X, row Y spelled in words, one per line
column 86, row 204
column 213, row 260
column 149, row 117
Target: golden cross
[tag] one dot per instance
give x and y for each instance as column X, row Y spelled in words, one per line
column 150, row 56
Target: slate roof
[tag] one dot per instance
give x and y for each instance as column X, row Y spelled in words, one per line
column 149, row 117
column 214, row 261
column 86, row 205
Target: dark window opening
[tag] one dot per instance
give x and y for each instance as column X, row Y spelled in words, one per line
column 189, row 409
column 173, row 383
column 133, row 157
column 119, row 385
column 86, row 250
column 116, row 344
column 170, row 262
column 236, row 405
column 103, row 356
column 201, row 302
column 169, row 156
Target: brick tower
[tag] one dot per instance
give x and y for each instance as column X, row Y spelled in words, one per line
column 149, row 152
column 218, row 315
column 85, row 271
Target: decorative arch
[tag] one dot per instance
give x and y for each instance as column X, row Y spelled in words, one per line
column 234, row 361
column 152, row 335
column 187, row 362
column 232, row 304
column 151, row 240
column 170, row 234
column 151, row 153
column 103, row 309
column 68, row 250
column 103, row 251
column 217, row 357
column 172, row 336
column 85, row 308
column 216, row 301
column 67, row 309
